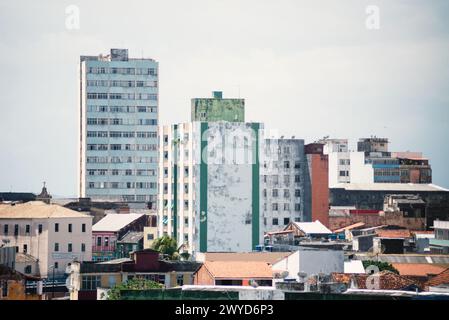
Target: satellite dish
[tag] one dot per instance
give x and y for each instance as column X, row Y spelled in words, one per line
column 253, row 283
column 284, row 274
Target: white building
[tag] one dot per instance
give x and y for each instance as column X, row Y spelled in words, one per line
column 346, row 166
column 118, row 118
column 52, row 234
column 282, row 182
column 209, row 190
column 311, row 262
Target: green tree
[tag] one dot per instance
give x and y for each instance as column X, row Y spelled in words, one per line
column 168, row 246
column 381, row 265
column 134, row 284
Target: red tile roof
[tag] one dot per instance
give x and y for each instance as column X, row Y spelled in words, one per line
column 387, row 280
column 239, row 269
column 441, row 278
column 401, row 233
column 418, row 269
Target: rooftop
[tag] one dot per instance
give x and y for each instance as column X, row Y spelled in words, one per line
column 37, row 209
column 408, row 187
column 131, row 237
column 440, row 279
column 115, row 221
column 238, row 269
column 315, row 227
column 393, row 234
column 418, row 269
column 268, row 257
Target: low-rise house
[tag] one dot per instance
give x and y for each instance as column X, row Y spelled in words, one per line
column 268, row 257
column 421, row 241
column 86, row 278
column 383, row 280
column 234, row 273
column 307, row 262
column 52, row 234
column 419, row 271
column 439, row 283
column 13, row 285
column 27, row 264
column 131, row 241
column 294, row 231
column 107, row 231
column 440, row 244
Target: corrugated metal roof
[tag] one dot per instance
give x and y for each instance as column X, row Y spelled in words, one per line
column 315, row 227
column 115, row 221
column 406, row 258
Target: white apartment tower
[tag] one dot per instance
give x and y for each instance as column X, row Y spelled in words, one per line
column 118, row 128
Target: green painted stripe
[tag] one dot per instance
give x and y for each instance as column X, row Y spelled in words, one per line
column 175, row 182
column 203, row 190
column 255, row 188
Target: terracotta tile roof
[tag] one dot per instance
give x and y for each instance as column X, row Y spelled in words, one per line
column 418, row 269
column 387, row 281
column 401, row 233
column 268, row 257
column 441, row 278
column 239, row 269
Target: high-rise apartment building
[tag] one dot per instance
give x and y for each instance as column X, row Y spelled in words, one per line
column 118, row 128
column 282, row 182
column 209, row 189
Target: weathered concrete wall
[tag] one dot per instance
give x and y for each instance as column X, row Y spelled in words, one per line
column 373, row 220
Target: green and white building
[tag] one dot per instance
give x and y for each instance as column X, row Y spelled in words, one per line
column 209, row 190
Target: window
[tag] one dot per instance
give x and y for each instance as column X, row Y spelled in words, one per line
column 264, row 193
column 297, row 178
column 286, row 164
column 70, row 227
column 56, row 227
column 275, row 193
column 106, row 241
column 25, row 248
column 83, row 247
column 286, row 206
column 4, row 289
column 5, row 229
column 286, row 193
column 297, row 207
column 286, row 221
column 28, row 269
column 16, row 229
column 56, row 265
column 297, row 164
column 180, row 279
column 274, row 206
column 27, row 228
column 56, row 247
column 150, row 236
column 90, row 282
column 99, row 241
column 40, row 228
column 83, row 227
column 297, row 193
column 275, row 221
column 111, row 281
column 186, row 171
column 69, row 247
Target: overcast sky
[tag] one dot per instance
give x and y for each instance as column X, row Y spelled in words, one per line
column 305, row 68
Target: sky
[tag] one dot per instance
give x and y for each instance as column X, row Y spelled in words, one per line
column 305, row 68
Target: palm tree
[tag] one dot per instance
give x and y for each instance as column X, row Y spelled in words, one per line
column 167, row 246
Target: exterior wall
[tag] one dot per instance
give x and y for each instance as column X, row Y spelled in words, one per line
column 312, row 262
column 42, row 245
column 282, row 172
column 203, row 277
column 104, row 252
column 149, row 235
column 375, row 219
column 17, row 291
column 7, row 255
column 211, row 205
column 218, row 109
column 319, row 187
column 113, row 103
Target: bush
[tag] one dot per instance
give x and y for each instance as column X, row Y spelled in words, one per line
column 134, row 284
